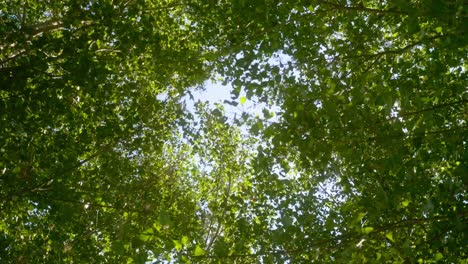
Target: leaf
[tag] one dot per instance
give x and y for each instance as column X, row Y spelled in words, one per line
column 255, row 129
column 405, row 203
column 389, row 235
column 198, row 251
column 267, row 114
column 233, row 103
column 185, row 240
column 146, row 235
column 177, row 245
column 242, row 100
column 16, row 170
column 367, row 229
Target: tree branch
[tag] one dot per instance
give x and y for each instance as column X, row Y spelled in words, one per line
column 362, row 9
column 397, row 51
column 435, row 107
column 345, row 238
column 44, row 27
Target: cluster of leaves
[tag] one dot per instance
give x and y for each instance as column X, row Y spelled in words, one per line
column 84, row 128
column 373, row 97
column 367, row 162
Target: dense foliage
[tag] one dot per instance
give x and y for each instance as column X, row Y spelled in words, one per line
column 365, row 162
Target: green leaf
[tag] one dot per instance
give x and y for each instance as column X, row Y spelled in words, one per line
column 267, row 114
column 198, row 251
column 146, row 235
column 405, row 203
column 389, row 235
column 185, row 240
column 367, row 229
column 16, row 170
column 233, row 103
column 242, row 100
column 177, row 245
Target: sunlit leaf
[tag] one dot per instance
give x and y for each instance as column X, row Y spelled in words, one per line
column 177, row 245
column 198, row 251
column 242, row 100
column 389, row 235
column 405, row 203
column 367, row 229
column 185, row 240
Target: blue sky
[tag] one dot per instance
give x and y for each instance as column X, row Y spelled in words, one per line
column 215, row 92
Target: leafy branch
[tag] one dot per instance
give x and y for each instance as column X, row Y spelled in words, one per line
column 341, row 239
column 377, row 56
column 361, row 8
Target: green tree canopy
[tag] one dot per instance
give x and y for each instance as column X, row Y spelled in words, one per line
column 365, row 162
